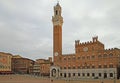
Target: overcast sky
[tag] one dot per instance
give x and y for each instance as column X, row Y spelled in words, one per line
column 26, row 28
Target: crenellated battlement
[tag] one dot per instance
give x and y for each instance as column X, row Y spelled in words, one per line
column 93, row 45
column 110, row 49
column 94, row 40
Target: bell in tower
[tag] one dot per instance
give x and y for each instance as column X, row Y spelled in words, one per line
column 57, row 10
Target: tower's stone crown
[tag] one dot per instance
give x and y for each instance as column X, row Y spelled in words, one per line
column 57, row 19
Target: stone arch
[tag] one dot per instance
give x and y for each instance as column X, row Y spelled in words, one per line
column 53, row 72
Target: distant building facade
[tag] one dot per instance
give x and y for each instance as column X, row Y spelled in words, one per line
column 5, row 63
column 44, row 66
column 22, row 65
column 36, row 69
column 90, row 60
column 17, row 56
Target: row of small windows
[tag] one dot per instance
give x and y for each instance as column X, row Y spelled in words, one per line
column 88, row 67
column 90, row 57
column 4, row 67
column 86, row 74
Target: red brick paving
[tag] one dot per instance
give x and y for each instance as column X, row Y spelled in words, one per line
column 31, row 79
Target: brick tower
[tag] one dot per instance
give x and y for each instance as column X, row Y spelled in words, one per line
column 57, row 20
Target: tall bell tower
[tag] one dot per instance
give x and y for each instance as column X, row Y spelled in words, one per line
column 57, row 20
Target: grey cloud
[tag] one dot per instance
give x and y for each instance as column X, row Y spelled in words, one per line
column 26, row 27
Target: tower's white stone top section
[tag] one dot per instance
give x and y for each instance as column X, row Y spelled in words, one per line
column 57, row 19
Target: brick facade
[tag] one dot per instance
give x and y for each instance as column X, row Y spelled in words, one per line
column 5, row 63
column 44, row 66
column 90, row 60
column 22, row 65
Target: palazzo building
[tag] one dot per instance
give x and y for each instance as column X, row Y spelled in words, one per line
column 90, row 60
column 5, row 63
column 43, row 66
column 22, row 65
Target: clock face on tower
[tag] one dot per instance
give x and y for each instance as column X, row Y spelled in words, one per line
column 56, row 54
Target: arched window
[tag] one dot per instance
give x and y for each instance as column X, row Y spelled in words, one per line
column 110, row 55
column 99, row 66
column 69, row 74
column 93, row 74
column 93, row 57
column 99, row 56
column 73, row 74
column 93, row 66
column 88, row 67
column 64, row 67
column 88, row 74
column 64, row 74
column 73, row 67
column 105, row 66
column 100, row 74
column 88, row 57
column 73, row 58
column 111, row 74
column 78, row 74
column 79, row 58
column 83, row 57
column 83, row 67
column 61, row 74
column 69, row 67
column 64, row 58
column 83, row 74
column 105, row 55
column 69, row 58
column 78, row 67
column 111, row 66
column 56, row 12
